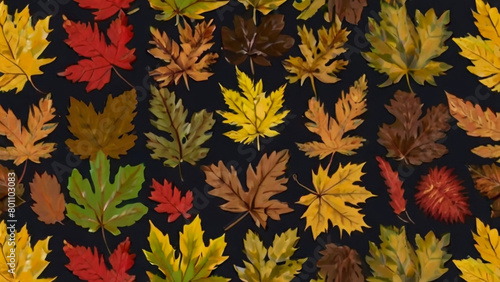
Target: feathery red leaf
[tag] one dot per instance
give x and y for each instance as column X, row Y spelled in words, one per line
column 105, row 8
column 394, row 185
column 170, row 200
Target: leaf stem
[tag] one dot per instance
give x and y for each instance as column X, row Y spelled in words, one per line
column 409, row 218
column 24, row 171
column 302, row 185
column 402, row 219
column 255, row 16
column 408, row 82
column 258, row 143
column 123, row 78
column 252, row 67
column 105, row 241
column 236, row 221
column 330, row 162
column 180, row 171
column 36, row 88
column 314, row 87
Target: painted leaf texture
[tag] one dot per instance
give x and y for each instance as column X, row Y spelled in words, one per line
column 30, row 260
column 4, row 190
column 195, row 261
column 340, row 264
column 394, row 186
column 488, row 246
column 413, row 138
column 254, row 112
column 264, row 6
column 49, row 201
column 26, row 141
column 21, row 46
column 100, row 204
column 187, row 8
column 170, row 200
column 100, row 58
column 279, row 265
column 105, row 9
column 401, row 48
column 319, row 55
column 483, row 50
column 264, row 182
column 89, row 265
column 332, row 129
column 109, row 131
column 350, row 10
column 336, row 199
column 395, row 259
column 186, row 59
column 487, row 181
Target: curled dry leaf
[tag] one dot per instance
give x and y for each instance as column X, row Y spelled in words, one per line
column 487, row 181
column 412, row 138
column 340, row 264
column 49, row 201
column 170, row 200
column 185, row 59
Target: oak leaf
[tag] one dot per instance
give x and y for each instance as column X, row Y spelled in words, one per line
column 262, row 184
column 320, row 56
column 90, row 265
column 394, row 186
column 5, row 174
column 108, row 131
column 253, row 111
column 400, row 48
column 396, row 259
column 257, row 42
column 24, row 140
column 350, row 10
column 488, row 246
column 412, row 138
column 186, row 138
column 279, row 265
column 21, row 45
column 332, row 129
column 185, row 59
column 100, row 204
column 170, row 200
column 487, row 181
column 335, row 199
column 187, row 8
column 196, row 260
column 105, row 8
column 263, row 6
column 49, row 201
column 101, row 57
column 340, row 264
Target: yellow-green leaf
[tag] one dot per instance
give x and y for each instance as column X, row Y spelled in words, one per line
column 264, row 6
column 188, row 8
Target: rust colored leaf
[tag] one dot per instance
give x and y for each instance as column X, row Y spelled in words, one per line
column 394, row 185
column 49, row 201
column 170, row 200
column 340, row 264
column 487, row 181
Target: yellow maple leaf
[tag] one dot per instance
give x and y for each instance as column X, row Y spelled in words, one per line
column 329, row 200
column 24, row 139
column 332, row 129
column 252, row 110
column 20, row 46
column 29, row 261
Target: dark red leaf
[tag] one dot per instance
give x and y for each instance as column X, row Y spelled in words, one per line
column 170, row 200
column 105, row 8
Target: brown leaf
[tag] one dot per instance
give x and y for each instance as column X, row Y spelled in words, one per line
column 349, row 9
column 263, row 183
column 49, row 201
column 4, row 189
column 340, row 264
column 487, row 181
column 411, row 138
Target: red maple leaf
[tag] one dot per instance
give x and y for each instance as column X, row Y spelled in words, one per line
column 105, row 8
column 89, row 265
column 170, row 200
column 102, row 58
column 442, row 196
column 394, row 185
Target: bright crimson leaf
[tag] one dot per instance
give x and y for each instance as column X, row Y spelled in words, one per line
column 89, row 265
column 170, row 200
column 101, row 57
column 394, row 185
column 105, row 8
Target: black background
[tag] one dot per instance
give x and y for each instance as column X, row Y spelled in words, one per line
column 206, row 95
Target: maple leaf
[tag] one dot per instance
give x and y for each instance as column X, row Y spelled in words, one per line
column 263, row 6
column 108, row 131
column 397, row 260
column 279, row 265
column 340, row 264
column 186, row 60
column 18, row 187
column 24, row 140
column 254, row 112
column 262, row 184
column 400, row 48
column 477, row 123
column 90, row 265
column 29, row 262
column 350, row 10
column 488, row 246
column 256, row 42
column 187, row 8
column 483, row 52
column 170, row 200
column 196, row 260
column 186, row 138
column 394, row 185
column 319, row 57
column 335, row 199
column 100, row 204
column 21, row 46
column 105, row 8
column 442, row 196
column 49, row 201
column 332, row 129
column 411, row 138
column 101, row 57
column 487, row 181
